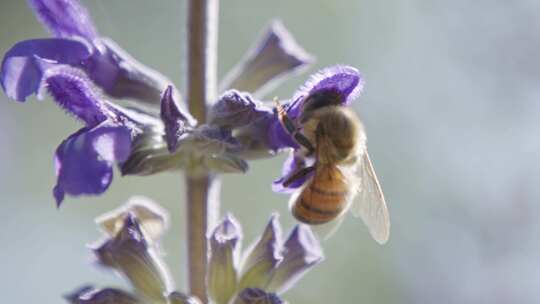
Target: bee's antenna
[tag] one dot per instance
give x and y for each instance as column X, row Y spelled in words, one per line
column 279, row 107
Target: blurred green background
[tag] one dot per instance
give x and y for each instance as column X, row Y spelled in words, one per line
column 452, row 111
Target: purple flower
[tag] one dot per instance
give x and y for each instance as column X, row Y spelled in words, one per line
column 275, row 56
column 69, row 67
column 78, row 44
column 132, row 255
column 60, row 66
column 301, row 251
column 262, row 258
column 212, row 147
column 236, row 109
column 268, row 268
column 269, row 264
column 77, row 64
column 256, row 124
column 84, row 160
column 130, row 248
column 24, row 64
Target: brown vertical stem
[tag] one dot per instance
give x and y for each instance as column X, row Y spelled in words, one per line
column 201, row 86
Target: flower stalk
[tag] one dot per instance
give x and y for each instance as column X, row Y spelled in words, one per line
column 201, row 91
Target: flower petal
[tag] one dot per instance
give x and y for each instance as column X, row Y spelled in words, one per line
column 278, row 138
column 273, row 57
column 262, row 257
column 122, row 76
column 235, row 109
column 333, row 85
column 64, row 18
column 176, row 122
column 153, row 219
column 222, row 269
column 336, row 84
column 301, row 252
column 129, row 253
column 257, row 296
column 109, row 66
column 23, row 65
column 291, row 165
column 84, row 160
column 91, row 295
column 74, row 92
column 255, row 125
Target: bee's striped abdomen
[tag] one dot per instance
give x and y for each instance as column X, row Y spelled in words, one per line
column 323, row 199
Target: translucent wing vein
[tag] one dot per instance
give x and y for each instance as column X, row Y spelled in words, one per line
column 369, row 203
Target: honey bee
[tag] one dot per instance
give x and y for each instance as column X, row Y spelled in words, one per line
column 342, row 174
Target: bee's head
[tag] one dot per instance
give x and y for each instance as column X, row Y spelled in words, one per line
column 341, row 130
column 319, row 100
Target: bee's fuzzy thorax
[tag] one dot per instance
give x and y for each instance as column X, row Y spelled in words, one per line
column 337, row 133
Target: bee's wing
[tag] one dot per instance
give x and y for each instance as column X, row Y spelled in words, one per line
column 327, row 230
column 369, row 203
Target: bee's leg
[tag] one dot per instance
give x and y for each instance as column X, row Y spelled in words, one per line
column 291, row 128
column 300, row 173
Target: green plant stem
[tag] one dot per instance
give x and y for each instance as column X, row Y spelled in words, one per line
column 201, row 91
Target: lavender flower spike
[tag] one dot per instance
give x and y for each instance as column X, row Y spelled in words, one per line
column 224, row 251
column 130, row 254
column 263, row 257
column 302, row 251
column 91, row 295
column 128, row 251
column 273, row 57
column 257, row 296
